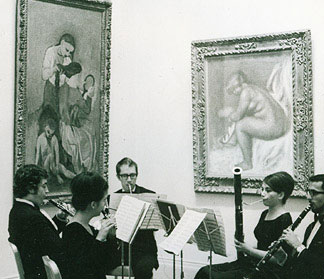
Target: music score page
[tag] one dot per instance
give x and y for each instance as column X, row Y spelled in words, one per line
column 129, row 217
column 152, row 219
column 183, row 231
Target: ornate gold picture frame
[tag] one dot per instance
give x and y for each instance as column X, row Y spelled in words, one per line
column 252, row 108
column 62, row 88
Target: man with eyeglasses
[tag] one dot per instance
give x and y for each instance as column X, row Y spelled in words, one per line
column 144, row 249
column 308, row 256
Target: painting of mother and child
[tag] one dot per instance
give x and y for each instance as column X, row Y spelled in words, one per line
column 63, row 129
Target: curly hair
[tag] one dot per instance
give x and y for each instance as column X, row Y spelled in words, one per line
column 87, row 187
column 27, row 178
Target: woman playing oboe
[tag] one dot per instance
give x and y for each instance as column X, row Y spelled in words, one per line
column 276, row 188
column 91, row 254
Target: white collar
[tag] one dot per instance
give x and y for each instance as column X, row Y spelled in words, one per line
column 25, row 201
column 41, row 210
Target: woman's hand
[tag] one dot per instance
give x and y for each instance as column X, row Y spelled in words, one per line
column 107, row 226
column 242, row 247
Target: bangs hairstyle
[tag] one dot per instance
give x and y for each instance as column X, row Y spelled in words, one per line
column 27, row 178
column 87, row 187
column 280, row 182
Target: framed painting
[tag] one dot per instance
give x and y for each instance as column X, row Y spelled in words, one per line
column 62, row 88
column 252, row 108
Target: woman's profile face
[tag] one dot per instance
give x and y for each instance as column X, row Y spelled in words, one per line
column 269, row 196
column 101, row 203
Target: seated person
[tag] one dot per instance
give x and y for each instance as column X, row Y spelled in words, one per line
column 308, row 257
column 144, row 249
column 276, row 188
column 31, row 230
column 90, row 254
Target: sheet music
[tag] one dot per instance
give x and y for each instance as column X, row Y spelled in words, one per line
column 129, row 216
column 152, row 220
column 183, row 231
column 169, row 213
column 215, row 234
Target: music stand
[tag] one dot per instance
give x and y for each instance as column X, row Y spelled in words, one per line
column 149, row 220
column 170, row 217
column 210, row 235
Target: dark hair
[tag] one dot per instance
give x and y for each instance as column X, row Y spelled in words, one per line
column 50, row 122
column 67, row 38
column 280, row 182
column 87, row 187
column 71, row 69
column 126, row 161
column 317, row 178
column 28, row 178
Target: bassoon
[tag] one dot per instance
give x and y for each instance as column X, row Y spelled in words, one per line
column 239, row 235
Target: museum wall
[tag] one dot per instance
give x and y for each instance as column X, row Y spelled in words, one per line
column 150, row 102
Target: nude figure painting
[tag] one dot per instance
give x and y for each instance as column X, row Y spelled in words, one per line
column 245, row 113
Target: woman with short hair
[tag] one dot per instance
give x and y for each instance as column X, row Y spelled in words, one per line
column 275, row 190
column 91, row 254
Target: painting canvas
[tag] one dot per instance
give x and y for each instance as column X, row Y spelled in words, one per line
column 247, row 98
column 62, row 88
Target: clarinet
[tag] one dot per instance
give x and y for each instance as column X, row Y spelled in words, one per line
column 239, row 235
column 275, row 247
column 63, row 206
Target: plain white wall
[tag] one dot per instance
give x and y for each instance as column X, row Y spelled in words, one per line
column 150, row 114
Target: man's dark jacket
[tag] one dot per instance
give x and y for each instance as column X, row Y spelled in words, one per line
column 35, row 236
column 310, row 263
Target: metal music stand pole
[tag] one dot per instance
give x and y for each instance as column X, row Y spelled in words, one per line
column 122, row 257
column 129, row 259
column 174, row 271
column 174, row 222
column 210, row 262
column 210, row 250
column 181, row 265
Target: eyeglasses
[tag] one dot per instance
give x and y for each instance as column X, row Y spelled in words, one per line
column 125, row 176
column 313, row 193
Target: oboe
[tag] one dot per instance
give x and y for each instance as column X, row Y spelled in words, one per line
column 239, row 235
column 63, row 206
column 275, row 247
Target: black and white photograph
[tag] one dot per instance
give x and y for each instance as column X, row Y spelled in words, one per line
column 149, row 139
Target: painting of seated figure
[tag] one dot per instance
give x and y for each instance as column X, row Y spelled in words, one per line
column 250, row 114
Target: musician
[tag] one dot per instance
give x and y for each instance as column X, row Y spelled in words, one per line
column 276, row 188
column 90, row 254
column 144, row 249
column 33, row 232
column 308, row 260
